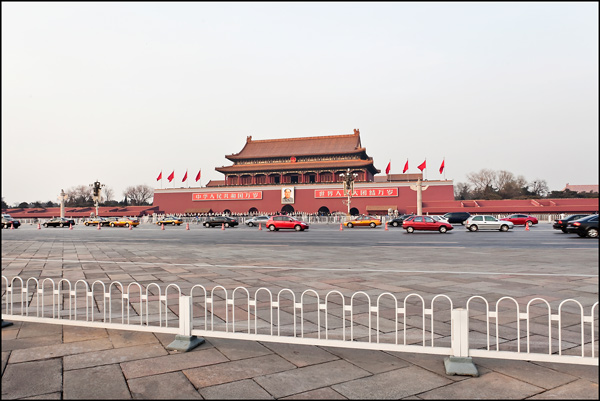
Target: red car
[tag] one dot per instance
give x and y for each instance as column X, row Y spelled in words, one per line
column 521, row 219
column 425, row 223
column 276, row 223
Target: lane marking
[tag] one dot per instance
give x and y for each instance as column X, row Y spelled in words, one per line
column 313, row 268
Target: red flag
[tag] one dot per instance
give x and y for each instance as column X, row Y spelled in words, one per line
column 422, row 166
column 184, row 177
column 170, row 177
column 159, row 177
column 198, row 176
column 389, row 166
column 442, row 167
column 405, row 167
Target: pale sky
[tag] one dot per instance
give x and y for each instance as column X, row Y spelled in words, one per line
column 118, row 92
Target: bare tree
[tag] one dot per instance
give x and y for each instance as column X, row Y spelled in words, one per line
column 538, row 187
column 80, row 195
column 483, row 179
column 139, row 195
column 462, row 191
column 107, row 194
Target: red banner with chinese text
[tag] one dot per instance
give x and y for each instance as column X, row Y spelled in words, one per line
column 207, row 196
column 358, row 193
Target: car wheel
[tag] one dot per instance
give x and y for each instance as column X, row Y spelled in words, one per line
column 529, row 223
column 126, row 224
column 206, row 225
column 62, row 225
column 395, row 224
column 227, row 225
column 112, row 224
column 373, row 225
column 504, row 227
column 250, row 225
column 86, row 223
column 443, row 229
column 350, row 225
column 272, row 227
column 592, row 233
column 298, row 228
column 410, row 230
column 473, row 227
column 46, row 225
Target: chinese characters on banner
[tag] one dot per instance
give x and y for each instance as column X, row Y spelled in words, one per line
column 358, row 193
column 227, row 195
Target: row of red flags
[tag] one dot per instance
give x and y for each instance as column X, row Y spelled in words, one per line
column 172, row 175
column 421, row 166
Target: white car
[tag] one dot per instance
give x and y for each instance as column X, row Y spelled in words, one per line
column 486, row 222
column 437, row 217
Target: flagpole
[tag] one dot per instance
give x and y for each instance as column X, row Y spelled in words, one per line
column 444, row 168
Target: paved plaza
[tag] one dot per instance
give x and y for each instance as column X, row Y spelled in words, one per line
column 48, row 361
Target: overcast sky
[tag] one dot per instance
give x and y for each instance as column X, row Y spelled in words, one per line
column 118, row 92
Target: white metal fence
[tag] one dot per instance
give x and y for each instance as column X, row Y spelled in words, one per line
column 503, row 329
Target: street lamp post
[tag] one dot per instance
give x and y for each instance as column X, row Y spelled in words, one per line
column 97, row 189
column 348, row 186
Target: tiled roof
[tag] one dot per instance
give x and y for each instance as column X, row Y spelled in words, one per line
column 322, row 164
column 315, row 145
column 581, row 188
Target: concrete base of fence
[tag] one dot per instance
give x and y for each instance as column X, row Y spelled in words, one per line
column 185, row 343
column 460, row 366
column 6, row 324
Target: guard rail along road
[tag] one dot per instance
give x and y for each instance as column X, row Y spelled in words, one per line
column 502, row 329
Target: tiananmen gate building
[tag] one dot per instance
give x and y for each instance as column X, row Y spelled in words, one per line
column 303, row 175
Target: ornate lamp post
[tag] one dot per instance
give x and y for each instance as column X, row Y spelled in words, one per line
column 62, row 197
column 419, row 188
column 97, row 189
column 348, row 186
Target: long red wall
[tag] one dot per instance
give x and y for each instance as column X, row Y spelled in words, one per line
column 180, row 200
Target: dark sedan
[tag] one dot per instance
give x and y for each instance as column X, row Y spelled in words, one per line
column 397, row 222
column 585, row 227
column 220, row 221
column 561, row 224
column 59, row 222
column 9, row 222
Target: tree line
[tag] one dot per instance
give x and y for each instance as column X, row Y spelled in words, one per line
column 82, row 196
column 496, row 185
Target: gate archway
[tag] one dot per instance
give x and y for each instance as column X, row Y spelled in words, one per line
column 323, row 211
column 287, row 209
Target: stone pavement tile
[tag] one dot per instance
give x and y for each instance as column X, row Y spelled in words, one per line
column 172, row 363
column 237, row 370
column 301, row 355
column 29, row 329
column 589, row 373
column 110, row 356
column 125, row 338
column 51, row 396
column 32, row 379
column 369, row 360
column 321, row 394
column 53, row 351
column 239, row 349
column 577, row 390
column 310, row 378
column 28, row 342
column 394, row 384
column 10, row 332
column 74, row 333
column 102, row 382
column 492, row 385
column 433, row 363
column 240, row 390
column 168, row 386
column 5, row 355
column 528, row 372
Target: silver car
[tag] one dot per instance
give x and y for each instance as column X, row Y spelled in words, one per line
column 254, row 221
column 486, row 222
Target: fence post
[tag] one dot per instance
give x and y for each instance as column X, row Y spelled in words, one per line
column 185, row 341
column 460, row 363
